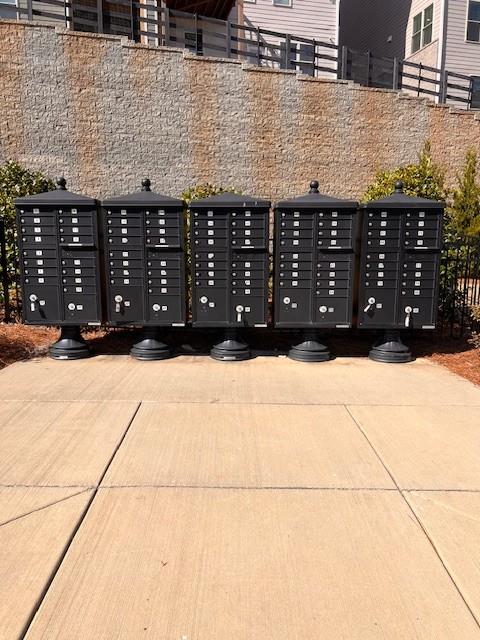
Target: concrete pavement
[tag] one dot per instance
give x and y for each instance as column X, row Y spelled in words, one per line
column 196, row 500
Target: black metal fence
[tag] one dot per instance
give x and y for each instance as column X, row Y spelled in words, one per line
column 156, row 25
column 5, row 307
column 459, row 286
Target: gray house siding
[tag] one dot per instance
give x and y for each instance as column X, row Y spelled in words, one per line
column 460, row 56
column 307, row 18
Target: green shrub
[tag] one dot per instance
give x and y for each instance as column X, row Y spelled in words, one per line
column 475, row 337
column 424, row 179
column 15, row 182
column 463, row 214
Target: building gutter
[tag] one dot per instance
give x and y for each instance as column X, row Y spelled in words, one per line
column 442, row 40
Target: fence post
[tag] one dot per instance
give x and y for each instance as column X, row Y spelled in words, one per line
column 470, row 93
column 166, row 25
column 369, row 56
column 314, row 58
column 4, row 267
column 442, row 94
column 229, row 39
column 195, row 26
column 344, row 63
column 258, row 46
column 396, row 74
column 288, row 52
column 99, row 16
column 419, row 79
column 29, row 9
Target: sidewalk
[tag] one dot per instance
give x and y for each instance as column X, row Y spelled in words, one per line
column 272, row 500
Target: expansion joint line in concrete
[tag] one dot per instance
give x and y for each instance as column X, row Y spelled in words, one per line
column 42, row 508
column 76, row 528
column 416, row 518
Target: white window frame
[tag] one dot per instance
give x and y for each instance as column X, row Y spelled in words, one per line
column 423, row 29
column 467, row 21
column 282, row 5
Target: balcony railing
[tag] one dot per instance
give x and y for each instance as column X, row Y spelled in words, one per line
column 157, row 25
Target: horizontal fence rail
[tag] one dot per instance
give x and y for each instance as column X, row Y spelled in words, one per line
column 150, row 23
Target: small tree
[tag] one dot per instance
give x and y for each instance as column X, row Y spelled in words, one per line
column 16, row 182
column 463, row 215
column 424, row 179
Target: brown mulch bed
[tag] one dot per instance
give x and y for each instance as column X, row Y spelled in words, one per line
column 465, row 363
column 21, row 342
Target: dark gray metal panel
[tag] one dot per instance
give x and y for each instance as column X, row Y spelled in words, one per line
column 400, row 264
column 59, row 259
column 145, row 260
column 314, row 272
column 230, row 263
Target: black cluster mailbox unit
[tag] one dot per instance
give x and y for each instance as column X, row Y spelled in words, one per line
column 399, row 275
column 315, row 250
column 230, row 268
column 59, row 261
column 145, row 266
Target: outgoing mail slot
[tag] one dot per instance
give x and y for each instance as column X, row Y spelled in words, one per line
column 315, row 245
column 229, row 240
column 144, row 237
column 399, row 269
column 47, row 222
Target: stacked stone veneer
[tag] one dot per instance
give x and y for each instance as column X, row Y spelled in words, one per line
column 105, row 112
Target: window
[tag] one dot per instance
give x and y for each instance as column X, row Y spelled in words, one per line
column 422, row 29
column 282, row 3
column 473, row 23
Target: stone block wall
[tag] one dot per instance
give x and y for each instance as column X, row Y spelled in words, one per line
column 105, row 113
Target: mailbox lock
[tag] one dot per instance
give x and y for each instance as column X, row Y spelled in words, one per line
column 33, row 301
column 286, row 300
column 156, row 307
column 204, row 299
column 239, row 309
column 323, row 309
column 408, row 311
column 118, row 302
column 371, row 302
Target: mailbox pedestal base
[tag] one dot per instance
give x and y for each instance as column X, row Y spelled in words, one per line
column 310, row 350
column 70, row 345
column 150, row 347
column 230, row 349
column 390, row 348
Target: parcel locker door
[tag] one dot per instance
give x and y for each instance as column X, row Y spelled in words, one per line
column 41, row 304
column 126, row 304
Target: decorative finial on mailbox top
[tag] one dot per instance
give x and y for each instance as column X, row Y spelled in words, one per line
column 146, row 184
column 61, row 184
column 399, row 186
column 314, row 186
